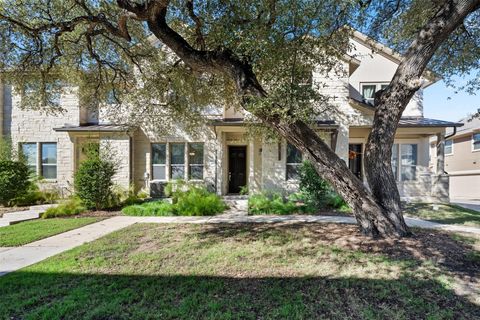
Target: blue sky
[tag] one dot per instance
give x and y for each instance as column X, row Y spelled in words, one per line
column 436, row 104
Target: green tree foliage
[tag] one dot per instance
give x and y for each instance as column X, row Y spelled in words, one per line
column 94, row 181
column 14, row 180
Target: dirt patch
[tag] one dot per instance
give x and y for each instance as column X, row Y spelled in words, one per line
column 100, row 213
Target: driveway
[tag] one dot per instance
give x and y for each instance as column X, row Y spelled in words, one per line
column 468, row 204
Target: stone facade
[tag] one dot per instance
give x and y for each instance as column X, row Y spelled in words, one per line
column 265, row 160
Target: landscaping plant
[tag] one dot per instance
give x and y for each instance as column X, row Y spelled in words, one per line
column 68, row 208
column 14, row 180
column 94, row 180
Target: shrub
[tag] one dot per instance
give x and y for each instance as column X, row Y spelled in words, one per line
column 14, row 180
column 68, row 208
column 316, row 191
column 197, row 201
column 36, row 196
column 125, row 197
column 275, row 203
column 93, row 182
column 187, row 200
column 155, row 208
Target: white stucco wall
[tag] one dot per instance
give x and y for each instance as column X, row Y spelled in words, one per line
column 378, row 68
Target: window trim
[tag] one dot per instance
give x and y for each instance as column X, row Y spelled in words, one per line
column 48, row 164
column 451, row 153
column 473, row 142
column 165, row 165
column 296, row 164
column 190, row 165
column 398, row 176
column 378, row 86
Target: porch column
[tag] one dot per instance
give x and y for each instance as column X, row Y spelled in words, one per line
column 440, row 153
column 2, row 109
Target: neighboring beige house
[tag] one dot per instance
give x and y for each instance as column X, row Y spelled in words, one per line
column 462, row 159
column 221, row 155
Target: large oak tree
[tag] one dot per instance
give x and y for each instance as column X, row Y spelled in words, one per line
column 179, row 57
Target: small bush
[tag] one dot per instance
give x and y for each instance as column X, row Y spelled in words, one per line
column 35, row 196
column 155, row 208
column 197, row 201
column 14, row 180
column 187, row 200
column 122, row 197
column 316, row 191
column 275, row 203
column 94, row 182
column 68, row 208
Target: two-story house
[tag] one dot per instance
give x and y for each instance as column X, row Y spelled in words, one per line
column 462, row 159
column 221, row 155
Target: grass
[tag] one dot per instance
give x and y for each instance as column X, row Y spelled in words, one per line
column 267, row 271
column 445, row 213
column 29, row 231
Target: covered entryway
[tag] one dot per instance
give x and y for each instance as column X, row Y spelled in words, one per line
column 355, row 159
column 237, row 168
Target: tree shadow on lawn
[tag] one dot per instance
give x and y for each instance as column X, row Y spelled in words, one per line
column 104, row 296
column 424, row 245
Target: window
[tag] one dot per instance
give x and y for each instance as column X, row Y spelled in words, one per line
column 476, row 141
column 49, row 160
column 294, row 160
column 369, row 90
column 448, row 146
column 29, row 151
column 195, row 161
column 408, row 165
column 159, row 161
column 177, row 161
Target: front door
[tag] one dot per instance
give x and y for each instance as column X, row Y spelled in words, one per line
column 237, row 168
column 355, row 159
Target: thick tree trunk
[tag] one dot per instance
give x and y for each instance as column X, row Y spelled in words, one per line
column 391, row 103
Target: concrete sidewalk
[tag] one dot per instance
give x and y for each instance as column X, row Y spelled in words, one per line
column 468, row 204
column 12, row 259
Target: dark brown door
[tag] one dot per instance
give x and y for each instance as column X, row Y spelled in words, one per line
column 237, row 168
column 355, row 158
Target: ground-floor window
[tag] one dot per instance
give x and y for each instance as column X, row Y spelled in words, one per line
column 294, row 160
column 177, row 160
column 404, row 161
column 47, row 157
column 195, row 161
column 159, row 161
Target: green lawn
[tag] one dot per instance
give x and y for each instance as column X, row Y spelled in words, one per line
column 29, row 231
column 445, row 213
column 266, row 271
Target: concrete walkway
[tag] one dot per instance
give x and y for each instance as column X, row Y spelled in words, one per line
column 12, row 259
column 468, row 204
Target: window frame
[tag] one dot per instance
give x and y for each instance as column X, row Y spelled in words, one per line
column 42, row 164
column 398, row 167
column 378, row 87
column 197, row 165
column 153, row 165
column 451, row 147
column 473, row 142
column 291, row 164
column 35, row 164
column 184, row 164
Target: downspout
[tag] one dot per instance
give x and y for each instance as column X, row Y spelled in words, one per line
column 447, row 137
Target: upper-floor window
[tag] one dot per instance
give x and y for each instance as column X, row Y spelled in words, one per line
column 404, row 161
column 476, row 141
column 369, row 89
column 294, row 160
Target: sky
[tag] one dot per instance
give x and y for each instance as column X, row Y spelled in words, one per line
column 436, row 104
